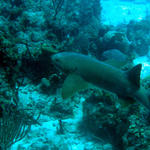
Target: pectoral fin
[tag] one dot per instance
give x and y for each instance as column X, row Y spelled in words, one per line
column 72, row 84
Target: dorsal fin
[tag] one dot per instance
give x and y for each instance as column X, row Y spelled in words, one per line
column 134, row 75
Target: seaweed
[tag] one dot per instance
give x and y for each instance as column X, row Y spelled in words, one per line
column 57, row 5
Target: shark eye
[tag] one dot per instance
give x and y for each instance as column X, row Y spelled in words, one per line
column 57, row 60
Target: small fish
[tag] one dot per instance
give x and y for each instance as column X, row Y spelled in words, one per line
column 84, row 70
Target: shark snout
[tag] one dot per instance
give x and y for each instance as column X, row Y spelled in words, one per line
column 55, row 59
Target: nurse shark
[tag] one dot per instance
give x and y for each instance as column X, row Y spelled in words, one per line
column 84, row 70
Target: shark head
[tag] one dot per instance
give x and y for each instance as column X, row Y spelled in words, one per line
column 59, row 61
column 64, row 61
column 56, row 59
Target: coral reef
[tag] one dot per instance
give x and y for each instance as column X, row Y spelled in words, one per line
column 123, row 127
column 138, row 34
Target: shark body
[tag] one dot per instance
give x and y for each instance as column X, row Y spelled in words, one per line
column 85, row 69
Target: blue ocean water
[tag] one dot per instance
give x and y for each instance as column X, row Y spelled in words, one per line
column 124, row 11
